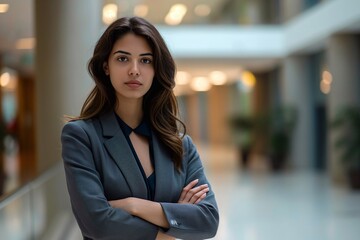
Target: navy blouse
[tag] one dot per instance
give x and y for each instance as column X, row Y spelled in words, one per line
column 144, row 130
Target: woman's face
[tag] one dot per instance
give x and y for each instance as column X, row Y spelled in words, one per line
column 130, row 67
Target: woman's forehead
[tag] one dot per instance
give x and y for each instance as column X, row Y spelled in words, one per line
column 132, row 43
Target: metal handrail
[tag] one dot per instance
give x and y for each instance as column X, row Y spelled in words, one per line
column 28, row 187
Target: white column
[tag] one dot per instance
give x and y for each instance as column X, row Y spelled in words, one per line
column 343, row 57
column 66, row 32
column 295, row 88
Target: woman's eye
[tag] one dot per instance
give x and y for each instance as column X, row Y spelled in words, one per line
column 146, row 60
column 122, row 59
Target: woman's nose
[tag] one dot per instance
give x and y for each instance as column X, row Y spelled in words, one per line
column 134, row 70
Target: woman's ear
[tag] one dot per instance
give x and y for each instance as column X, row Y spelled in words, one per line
column 106, row 68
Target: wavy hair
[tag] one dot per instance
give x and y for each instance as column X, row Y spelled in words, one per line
column 159, row 104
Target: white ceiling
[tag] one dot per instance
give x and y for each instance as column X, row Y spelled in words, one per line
column 159, row 8
column 18, row 23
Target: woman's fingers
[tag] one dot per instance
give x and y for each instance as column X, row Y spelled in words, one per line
column 200, row 198
column 191, row 194
column 198, row 194
column 187, row 188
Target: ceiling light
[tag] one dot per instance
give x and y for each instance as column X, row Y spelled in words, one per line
column 4, row 8
column 202, row 10
column 176, row 14
column 109, row 13
column 200, row 84
column 218, row 78
column 141, row 10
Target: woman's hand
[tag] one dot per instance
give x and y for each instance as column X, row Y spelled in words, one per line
column 192, row 194
column 163, row 236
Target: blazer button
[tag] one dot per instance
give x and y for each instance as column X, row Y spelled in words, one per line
column 173, row 222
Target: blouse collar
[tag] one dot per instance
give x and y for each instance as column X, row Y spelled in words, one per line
column 143, row 128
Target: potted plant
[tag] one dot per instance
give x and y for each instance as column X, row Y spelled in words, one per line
column 243, row 126
column 347, row 141
column 281, row 124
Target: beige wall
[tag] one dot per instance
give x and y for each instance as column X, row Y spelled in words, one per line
column 218, row 113
column 193, row 119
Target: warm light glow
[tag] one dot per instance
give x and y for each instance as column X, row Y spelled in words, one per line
column 325, row 87
column 200, row 84
column 4, row 8
column 248, row 79
column 202, row 10
column 141, row 10
column 182, row 78
column 4, row 79
column 327, row 77
column 25, row 43
column 218, row 78
column 176, row 14
column 325, row 83
column 109, row 13
column 8, row 80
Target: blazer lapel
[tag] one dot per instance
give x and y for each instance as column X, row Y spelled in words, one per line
column 164, row 170
column 117, row 146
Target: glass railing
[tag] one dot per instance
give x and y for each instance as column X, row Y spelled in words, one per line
column 39, row 210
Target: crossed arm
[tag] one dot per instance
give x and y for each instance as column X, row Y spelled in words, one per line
column 153, row 212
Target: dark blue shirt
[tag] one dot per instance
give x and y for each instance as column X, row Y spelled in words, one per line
column 144, row 130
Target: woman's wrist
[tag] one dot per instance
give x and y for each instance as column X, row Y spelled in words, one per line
column 134, row 205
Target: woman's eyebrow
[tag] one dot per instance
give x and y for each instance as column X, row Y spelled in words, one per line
column 127, row 53
column 123, row 52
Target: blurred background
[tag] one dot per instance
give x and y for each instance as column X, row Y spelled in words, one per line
column 269, row 90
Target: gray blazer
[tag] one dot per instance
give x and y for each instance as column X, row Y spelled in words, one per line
column 100, row 166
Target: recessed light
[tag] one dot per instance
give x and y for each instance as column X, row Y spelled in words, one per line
column 4, row 8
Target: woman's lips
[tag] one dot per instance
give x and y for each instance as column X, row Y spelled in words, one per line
column 133, row 84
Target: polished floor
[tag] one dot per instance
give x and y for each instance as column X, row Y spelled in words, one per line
column 256, row 204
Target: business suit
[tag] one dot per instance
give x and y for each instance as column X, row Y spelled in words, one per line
column 100, row 166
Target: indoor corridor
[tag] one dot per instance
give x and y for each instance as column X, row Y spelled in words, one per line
column 279, row 77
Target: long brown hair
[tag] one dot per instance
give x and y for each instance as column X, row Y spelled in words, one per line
column 159, row 105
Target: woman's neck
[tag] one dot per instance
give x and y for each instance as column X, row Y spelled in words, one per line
column 130, row 112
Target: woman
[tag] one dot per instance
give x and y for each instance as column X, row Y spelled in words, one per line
column 130, row 173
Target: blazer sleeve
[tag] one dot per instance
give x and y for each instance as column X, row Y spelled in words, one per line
column 193, row 221
column 96, row 218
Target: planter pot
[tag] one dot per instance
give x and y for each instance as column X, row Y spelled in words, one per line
column 244, row 155
column 277, row 162
column 354, row 178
